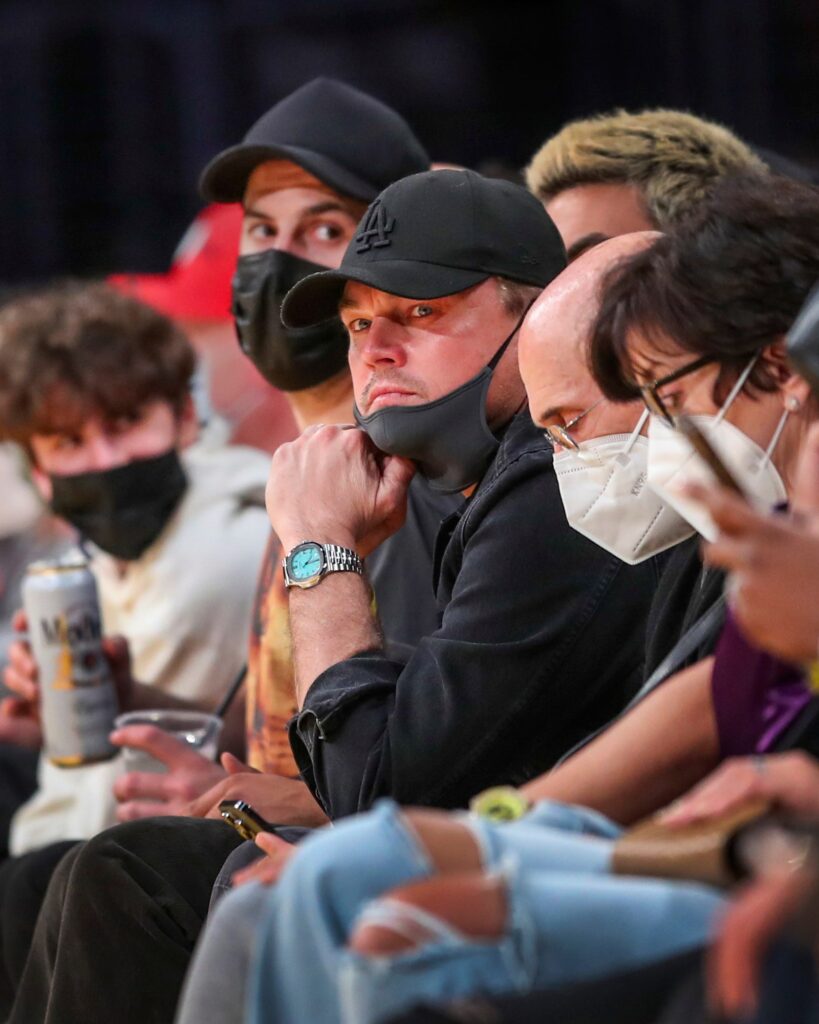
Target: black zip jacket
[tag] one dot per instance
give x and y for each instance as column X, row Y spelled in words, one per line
column 541, row 641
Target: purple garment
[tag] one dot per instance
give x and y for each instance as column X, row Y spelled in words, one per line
column 756, row 696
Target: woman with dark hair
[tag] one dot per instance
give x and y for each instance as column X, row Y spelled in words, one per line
column 696, row 325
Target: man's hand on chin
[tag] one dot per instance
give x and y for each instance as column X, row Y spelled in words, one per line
column 332, row 485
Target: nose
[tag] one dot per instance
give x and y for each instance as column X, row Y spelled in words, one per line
column 105, row 451
column 285, row 240
column 384, row 343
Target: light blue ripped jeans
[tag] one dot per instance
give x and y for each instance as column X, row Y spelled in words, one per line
column 568, row 919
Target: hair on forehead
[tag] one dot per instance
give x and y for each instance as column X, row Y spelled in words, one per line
column 672, row 157
column 75, row 350
column 727, row 284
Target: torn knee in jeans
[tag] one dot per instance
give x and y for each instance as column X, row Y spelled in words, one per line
column 389, row 926
column 449, row 843
column 453, row 909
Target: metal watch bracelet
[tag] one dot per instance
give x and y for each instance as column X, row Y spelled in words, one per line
column 341, row 559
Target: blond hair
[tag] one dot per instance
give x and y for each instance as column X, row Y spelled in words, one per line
column 671, row 157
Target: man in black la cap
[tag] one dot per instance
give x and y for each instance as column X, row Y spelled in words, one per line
column 432, row 290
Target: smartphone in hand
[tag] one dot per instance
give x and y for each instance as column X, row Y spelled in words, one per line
column 707, row 453
column 247, row 822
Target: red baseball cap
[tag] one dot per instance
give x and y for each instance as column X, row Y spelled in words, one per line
column 197, row 285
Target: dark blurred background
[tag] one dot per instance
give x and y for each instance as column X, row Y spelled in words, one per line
column 109, row 110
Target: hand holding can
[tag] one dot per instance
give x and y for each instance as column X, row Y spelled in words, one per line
column 77, row 694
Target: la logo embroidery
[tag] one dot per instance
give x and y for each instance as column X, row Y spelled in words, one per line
column 376, row 228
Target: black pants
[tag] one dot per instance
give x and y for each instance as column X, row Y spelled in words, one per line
column 119, row 922
column 23, row 884
column 18, row 781
column 634, row 997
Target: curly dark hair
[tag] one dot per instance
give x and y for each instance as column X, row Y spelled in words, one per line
column 79, row 349
column 726, row 283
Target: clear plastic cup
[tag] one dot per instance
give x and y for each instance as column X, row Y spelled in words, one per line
column 197, row 728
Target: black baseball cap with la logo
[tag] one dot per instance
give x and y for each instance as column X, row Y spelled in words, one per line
column 434, row 234
column 349, row 140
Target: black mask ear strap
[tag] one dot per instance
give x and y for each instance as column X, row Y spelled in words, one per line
column 496, row 358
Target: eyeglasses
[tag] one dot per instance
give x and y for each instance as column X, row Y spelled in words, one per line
column 559, row 435
column 651, row 392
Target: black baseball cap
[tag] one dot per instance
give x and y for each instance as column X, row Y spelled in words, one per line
column 435, row 234
column 348, row 140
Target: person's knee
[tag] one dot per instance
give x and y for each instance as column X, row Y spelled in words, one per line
column 472, row 907
column 333, row 858
column 449, row 844
column 98, row 851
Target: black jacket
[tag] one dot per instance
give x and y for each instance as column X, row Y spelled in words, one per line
column 687, row 590
column 541, row 640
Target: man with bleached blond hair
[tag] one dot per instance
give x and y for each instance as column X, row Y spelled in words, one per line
column 615, row 173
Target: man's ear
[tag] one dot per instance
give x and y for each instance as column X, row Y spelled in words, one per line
column 188, row 424
column 42, row 481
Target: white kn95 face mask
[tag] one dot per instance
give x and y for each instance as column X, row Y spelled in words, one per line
column 673, row 463
column 606, row 497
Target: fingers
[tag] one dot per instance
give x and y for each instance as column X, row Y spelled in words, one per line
column 269, row 868
column 234, row 787
column 162, row 745
column 273, row 845
column 19, row 621
column 134, row 810
column 21, row 674
column 727, row 553
column 729, row 786
column 118, row 654
column 117, row 650
column 209, row 801
column 233, row 766
column 19, row 725
column 143, row 786
column 397, row 473
column 750, row 924
column 732, row 967
column 791, row 781
column 16, row 707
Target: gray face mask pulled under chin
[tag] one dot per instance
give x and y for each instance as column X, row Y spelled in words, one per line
column 449, row 438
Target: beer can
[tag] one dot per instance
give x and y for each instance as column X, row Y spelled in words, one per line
column 78, row 701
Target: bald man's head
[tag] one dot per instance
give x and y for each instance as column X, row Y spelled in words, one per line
column 552, row 345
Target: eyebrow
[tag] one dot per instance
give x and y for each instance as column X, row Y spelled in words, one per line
column 329, row 206
column 648, row 374
column 547, row 415
column 586, row 242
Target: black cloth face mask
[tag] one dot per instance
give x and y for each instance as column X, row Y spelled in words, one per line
column 122, row 510
column 449, row 438
column 291, row 359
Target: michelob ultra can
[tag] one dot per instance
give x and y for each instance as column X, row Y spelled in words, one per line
column 78, row 702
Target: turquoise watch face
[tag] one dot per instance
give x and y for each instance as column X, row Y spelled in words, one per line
column 305, row 561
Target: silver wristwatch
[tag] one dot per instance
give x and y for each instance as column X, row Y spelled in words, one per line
column 309, row 562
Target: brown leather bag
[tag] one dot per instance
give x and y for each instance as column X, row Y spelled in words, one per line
column 700, row 852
